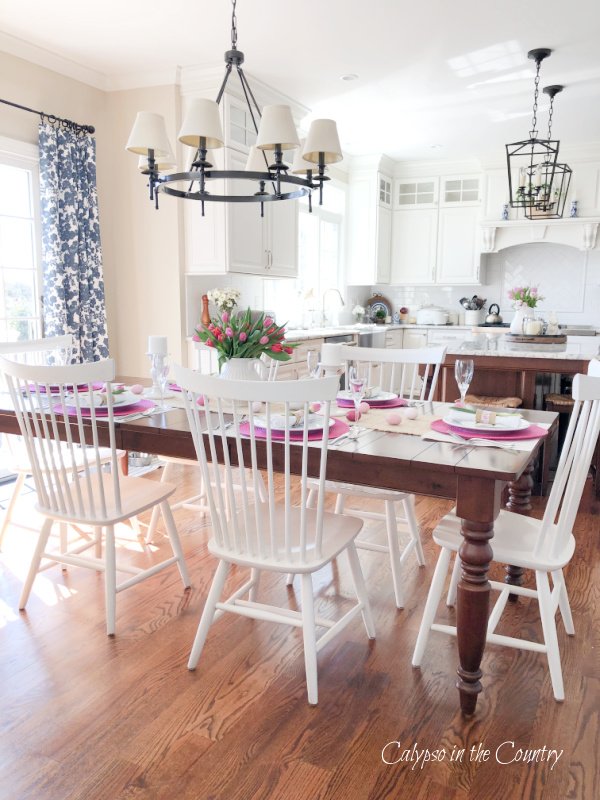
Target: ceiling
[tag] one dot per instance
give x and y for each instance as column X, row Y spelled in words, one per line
column 430, row 73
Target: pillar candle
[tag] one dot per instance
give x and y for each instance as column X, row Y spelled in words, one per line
column 331, row 355
column 157, row 345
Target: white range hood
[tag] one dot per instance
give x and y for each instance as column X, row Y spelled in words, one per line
column 579, row 232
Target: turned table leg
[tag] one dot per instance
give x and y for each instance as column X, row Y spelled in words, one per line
column 519, row 501
column 478, row 504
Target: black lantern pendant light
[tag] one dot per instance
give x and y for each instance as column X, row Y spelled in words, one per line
column 554, row 179
column 532, row 162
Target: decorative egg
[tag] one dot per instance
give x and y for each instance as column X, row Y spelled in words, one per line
column 137, row 388
column 411, row 413
column 364, row 407
column 257, row 406
column 393, row 418
column 351, row 415
column 314, row 407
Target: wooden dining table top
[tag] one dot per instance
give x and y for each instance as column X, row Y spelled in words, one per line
column 472, row 476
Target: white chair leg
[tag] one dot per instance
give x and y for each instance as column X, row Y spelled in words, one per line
column 175, row 542
column 63, row 541
column 311, row 497
column 20, row 480
column 156, row 509
column 550, row 638
column 433, row 599
column 98, row 542
column 255, row 578
column 413, row 526
column 339, row 504
column 35, row 562
column 289, row 579
column 209, row 612
column 361, row 589
column 451, row 599
column 310, row 638
column 110, row 579
column 563, row 601
column 394, row 551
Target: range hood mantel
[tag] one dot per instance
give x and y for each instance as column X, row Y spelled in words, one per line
column 579, row 232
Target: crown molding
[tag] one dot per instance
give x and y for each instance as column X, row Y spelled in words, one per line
column 143, row 79
column 49, row 60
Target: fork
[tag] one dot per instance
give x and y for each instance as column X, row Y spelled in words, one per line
column 479, row 440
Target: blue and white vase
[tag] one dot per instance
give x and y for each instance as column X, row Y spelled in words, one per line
column 505, row 212
column 573, row 210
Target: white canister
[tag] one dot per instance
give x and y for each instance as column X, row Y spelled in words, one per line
column 473, row 317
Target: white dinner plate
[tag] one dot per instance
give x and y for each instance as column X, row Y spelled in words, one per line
column 507, row 424
column 379, row 397
column 315, row 423
column 98, row 400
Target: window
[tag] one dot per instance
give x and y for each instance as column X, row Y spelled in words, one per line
column 461, row 190
column 300, row 301
column 416, row 193
column 19, row 242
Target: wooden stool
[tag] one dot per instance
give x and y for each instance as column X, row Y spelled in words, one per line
column 488, row 400
column 562, row 404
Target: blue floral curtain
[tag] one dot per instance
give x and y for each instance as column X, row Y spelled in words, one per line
column 71, row 250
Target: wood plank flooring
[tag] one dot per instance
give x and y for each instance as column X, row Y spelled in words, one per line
column 85, row 717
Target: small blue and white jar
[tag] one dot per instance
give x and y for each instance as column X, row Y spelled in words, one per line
column 505, row 211
column 573, row 210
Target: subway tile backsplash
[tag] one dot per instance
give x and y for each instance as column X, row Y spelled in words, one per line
column 567, row 278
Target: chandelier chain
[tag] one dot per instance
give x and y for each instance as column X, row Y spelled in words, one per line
column 233, row 25
column 536, row 92
column 550, row 113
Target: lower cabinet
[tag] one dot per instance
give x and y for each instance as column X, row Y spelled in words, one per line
column 414, row 339
column 297, row 367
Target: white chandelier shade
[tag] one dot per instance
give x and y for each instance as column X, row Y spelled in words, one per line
column 161, row 164
column 299, row 165
column 149, row 133
column 202, row 120
column 277, row 129
column 256, row 160
column 322, row 141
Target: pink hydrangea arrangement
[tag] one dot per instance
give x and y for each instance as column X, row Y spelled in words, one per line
column 237, row 336
column 525, row 296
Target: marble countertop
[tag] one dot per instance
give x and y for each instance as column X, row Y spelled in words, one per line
column 498, row 348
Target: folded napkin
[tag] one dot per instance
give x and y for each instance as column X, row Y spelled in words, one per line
column 498, row 422
column 102, row 411
column 394, row 402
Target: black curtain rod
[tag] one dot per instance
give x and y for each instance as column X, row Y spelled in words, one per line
column 53, row 119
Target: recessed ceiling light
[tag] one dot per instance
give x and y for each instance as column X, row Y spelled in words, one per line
column 349, row 76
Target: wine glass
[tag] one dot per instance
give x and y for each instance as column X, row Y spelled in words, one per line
column 357, row 382
column 313, row 364
column 463, row 373
column 163, row 375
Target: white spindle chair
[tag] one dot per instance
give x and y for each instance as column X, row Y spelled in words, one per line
column 252, row 528
column 268, row 372
column 70, row 482
column 32, row 351
column 545, row 546
column 413, row 374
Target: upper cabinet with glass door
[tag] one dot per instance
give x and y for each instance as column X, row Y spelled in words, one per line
column 416, row 193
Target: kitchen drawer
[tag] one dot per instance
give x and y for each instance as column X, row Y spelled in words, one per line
column 287, row 371
column 444, row 337
column 394, row 339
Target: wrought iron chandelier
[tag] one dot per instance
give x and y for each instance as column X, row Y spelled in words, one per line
column 542, row 182
column 202, row 130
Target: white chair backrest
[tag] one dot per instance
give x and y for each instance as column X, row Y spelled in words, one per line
column 575, row 458
column 251, row 522
column 67, row 477
column 413, row 373
column 39, row 351
column 268, row 367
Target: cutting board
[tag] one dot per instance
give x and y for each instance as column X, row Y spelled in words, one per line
column 559, row 338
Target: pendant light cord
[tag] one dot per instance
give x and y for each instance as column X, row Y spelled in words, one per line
column 233, row 26
column 533, row 131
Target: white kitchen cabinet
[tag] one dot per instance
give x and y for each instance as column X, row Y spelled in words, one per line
column 414, row 245
column 435, row 230
column 369, row 228
column 414, row 339
column 233, row 237
column 446, row 337
column 394, row 338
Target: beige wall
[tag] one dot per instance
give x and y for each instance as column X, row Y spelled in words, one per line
column 141, row 247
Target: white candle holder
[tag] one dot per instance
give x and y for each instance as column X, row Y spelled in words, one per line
column 157, row 366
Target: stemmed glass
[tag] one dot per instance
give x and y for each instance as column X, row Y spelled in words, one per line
column 163, row 374
column 313, row 363
column 357, row 381
column 463, row 373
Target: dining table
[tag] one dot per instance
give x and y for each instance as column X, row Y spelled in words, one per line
column 474, row 477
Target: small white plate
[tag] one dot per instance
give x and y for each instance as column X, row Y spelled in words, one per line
column 315, row 423
column 98, row 400
column 503, row 424
column 378, row 397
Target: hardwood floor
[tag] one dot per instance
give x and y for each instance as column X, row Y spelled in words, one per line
column 88, row 717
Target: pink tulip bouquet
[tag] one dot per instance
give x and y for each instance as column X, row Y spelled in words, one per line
column 236, row 336
column 525, row 296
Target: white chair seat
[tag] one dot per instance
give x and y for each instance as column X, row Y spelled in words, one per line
column 137, row 496
column 338, row 532
column 515, row 538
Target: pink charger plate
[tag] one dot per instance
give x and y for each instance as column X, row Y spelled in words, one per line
column 395, row 402
column 335, row 430
column 81, row 386
column 532, row 432
column 102, row 411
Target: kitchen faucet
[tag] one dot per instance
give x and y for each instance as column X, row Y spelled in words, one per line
column 325, row 293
